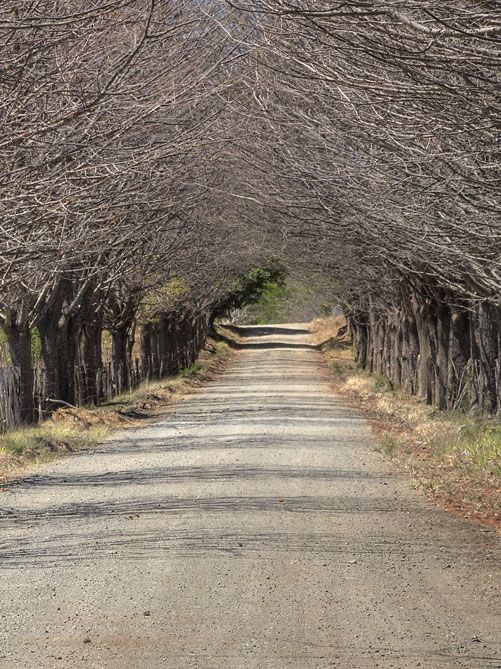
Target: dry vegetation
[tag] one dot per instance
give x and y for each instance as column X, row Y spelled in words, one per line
column 70, row 430
column 454, row 457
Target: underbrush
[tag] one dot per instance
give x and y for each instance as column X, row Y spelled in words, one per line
column 33, row 445
column 192, row 370
column 70, row 430
column 382, row 384
column 476, row 444
column 452, row 456
column 50, row 437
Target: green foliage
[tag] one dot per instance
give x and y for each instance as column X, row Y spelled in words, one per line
column 190, row 371
column 336, row 367
column 478, row 444
column 220, row 347
column 382, row 384
column 35, row 348
column 325, row 309
column 271, row 306
column 4, row 350
column 390, row 444
column 248, row 289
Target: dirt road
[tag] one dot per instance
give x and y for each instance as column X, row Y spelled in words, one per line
column 254, row 527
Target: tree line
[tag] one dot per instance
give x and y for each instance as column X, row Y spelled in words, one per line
column 379, row 122
column 114, row 118
column 153, row 152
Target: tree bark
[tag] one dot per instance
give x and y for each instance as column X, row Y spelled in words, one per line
column 91, row 359
column 146, row 350
column 489, row 323
column 120, row 357
column 19, row 340
column 459, row 354
column 424, row 372
column 443, row 325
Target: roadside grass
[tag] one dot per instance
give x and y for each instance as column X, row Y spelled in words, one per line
column 192, row 370
column 454, row 457
column 381, row 384
column 71, row 430
column 37, row 444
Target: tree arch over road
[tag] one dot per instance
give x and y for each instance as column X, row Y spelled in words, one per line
column 147, row 142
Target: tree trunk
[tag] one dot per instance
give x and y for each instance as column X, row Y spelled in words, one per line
column 91, row 360
column 146, row 350
column 396, row 352
column 19, row 340
column 172, row 346
column 120, row 358
column 59, row 346
column 410, row 352
column 59, row 359
column 443, row 324
column 424, row 372
column 163, row 345
column 489, row 323
column 459, row 354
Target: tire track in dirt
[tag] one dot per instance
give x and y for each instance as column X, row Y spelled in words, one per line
column 255, row 526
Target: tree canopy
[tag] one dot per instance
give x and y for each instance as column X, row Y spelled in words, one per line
column 145, row 143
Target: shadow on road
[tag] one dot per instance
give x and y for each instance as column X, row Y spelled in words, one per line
column 269, row 345
column 265, row 330
column 251, row 331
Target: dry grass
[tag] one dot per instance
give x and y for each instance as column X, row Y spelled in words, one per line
column 325, row 332
column 72, row 430
column 454, row 457
column 29, row 446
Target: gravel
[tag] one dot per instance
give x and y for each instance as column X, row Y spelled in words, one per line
column 255, row 526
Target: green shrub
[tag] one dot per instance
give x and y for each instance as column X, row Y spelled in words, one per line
column 336, row 367
column 190, row 371
column 382, row 384
column 478, row 444
column 271, row 306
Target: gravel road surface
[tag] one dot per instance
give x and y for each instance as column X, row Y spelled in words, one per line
column 255, row 526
